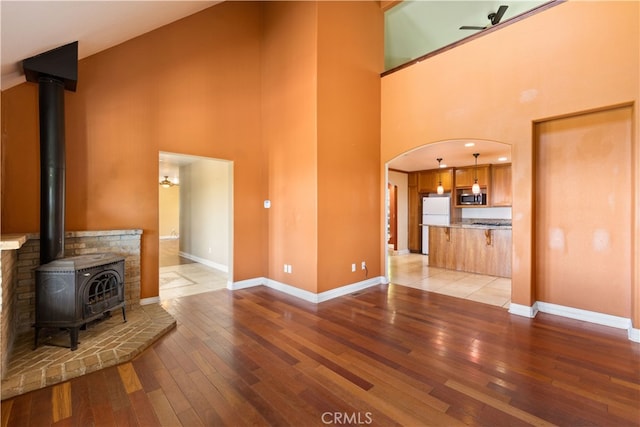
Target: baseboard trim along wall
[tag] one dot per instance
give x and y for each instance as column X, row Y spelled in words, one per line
column 306, row 295
column 577, row 314
column 208, row 263
column 148, row 301
column 524, row 310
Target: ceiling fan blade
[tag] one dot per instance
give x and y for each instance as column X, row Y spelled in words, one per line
column 498, row 16
column 471, row 27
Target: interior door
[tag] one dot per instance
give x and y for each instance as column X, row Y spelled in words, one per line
column 583, row 211
column 392, row 216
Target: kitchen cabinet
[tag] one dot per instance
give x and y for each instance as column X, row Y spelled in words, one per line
column 501, row 185
column 465, row 177
column 474, row 250
column 428, row 180
column 442, row 248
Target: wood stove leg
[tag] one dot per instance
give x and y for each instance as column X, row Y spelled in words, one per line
column 73, row 333
column 124, row 315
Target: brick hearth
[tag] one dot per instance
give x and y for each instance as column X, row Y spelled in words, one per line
column 105, row 343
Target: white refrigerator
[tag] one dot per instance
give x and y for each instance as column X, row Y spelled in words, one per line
column 435, row 211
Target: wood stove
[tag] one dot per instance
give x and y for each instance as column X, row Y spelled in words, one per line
column 73, row 291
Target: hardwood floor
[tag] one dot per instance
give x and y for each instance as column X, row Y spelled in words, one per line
column 390, row 355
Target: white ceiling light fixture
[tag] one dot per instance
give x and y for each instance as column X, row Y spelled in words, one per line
column 476, row 187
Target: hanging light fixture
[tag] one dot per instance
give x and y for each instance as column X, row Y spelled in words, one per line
column 440, row 187
column 165, row 183
column 476, row 187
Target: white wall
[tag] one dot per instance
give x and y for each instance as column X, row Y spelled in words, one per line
column 401, row 180
column 205, row 209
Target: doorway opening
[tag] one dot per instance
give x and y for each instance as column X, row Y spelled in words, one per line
column 416, row 176
column 195, row 212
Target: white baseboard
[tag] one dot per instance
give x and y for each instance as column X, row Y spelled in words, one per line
column 304, row 294
column 578, row 314
column 249, row 283
column 524, row 310
column 208, row 263
column 149, row 301
column 586, row 315
column 401, row 252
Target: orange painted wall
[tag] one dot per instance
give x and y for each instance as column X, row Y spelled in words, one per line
column 239, row 81
column 348, row 134
column 190, row 87
column 494, row 87
column 290, row 131
column 321, row 124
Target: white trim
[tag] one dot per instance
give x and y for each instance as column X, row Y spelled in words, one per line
column 586, row 315
column 208, row 263
column 169, row 237
column 400, row 252
column 149, row 301
column 304, row 294
column 249, row 283
column 349, row 289
column 634, row 334
column 524, row 310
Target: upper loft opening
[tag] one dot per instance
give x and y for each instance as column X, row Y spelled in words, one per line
column 417, row 29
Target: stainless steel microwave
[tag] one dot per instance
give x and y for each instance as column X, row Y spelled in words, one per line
column 472, row 199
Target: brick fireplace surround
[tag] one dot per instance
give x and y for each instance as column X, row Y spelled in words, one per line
column 105, row 343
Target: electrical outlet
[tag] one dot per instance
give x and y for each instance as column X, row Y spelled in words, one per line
column 289, row 269
column 353, row 268
column 364, row 265
column 285, row 268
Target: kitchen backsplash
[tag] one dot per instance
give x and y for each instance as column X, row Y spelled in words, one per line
column 486, row 213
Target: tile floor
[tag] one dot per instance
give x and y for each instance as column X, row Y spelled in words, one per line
column 413, row 270
column 180, row 276
column 189, row 279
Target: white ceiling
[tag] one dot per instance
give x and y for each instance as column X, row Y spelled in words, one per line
column 453, row 153
column 29, row 28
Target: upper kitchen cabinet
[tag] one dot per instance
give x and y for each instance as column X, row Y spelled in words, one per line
column 501, row 185
column 465, row 177
column 428, row 180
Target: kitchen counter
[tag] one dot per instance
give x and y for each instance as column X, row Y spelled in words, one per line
column 475, row 248
column 488, row 224
column 481, row 225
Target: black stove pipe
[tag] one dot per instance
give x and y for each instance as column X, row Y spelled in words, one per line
column 52, row 168
column 55, row 71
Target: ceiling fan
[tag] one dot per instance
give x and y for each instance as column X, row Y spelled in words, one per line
column 494, row 18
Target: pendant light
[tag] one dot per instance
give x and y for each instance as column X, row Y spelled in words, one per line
column 476, row 187
column 440, row 187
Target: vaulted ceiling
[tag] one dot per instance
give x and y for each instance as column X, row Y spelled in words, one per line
column 412, row 28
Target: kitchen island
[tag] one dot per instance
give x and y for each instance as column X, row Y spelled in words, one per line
column 482, row 247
